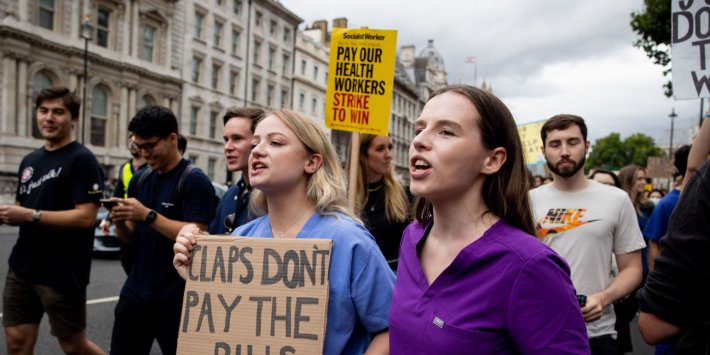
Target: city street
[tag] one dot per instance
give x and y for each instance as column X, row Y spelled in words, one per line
column 107, row 277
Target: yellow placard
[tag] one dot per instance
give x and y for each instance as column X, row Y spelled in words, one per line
column 360, row 80
column 532, row 143
column 255, row 296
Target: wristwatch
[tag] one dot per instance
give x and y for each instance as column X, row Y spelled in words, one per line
column 150, row 218
column 35, row 216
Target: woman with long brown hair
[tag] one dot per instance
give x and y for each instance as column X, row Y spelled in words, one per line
column 472, row 278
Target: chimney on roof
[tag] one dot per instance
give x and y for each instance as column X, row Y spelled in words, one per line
column 322, row 25
column 340, row 22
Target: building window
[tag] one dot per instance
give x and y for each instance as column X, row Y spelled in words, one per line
column 272, row 54
column 197, row 31
column 284, row 97
column 273, row 27
column 254, row 90
column 314, row 105
column 213, row 124
column 287, row 34
column 148, row 42
column 46, row 14
column 235, row 41
column 301, row 101
column 237, row 7
column 102, row 28
column 257, row 49
column 211, row 162
column 257, row 19
column 40, row 82
column 219, row 2
column 303, row 67
column 284, row 64
column 196, row 64
column 269, row 94
column 99, row 115
column 215, row 75
column 233, row 81
column 315, row 73
column 217, row 38
column 194, row 114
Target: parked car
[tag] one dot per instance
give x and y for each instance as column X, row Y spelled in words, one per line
column 105, row 242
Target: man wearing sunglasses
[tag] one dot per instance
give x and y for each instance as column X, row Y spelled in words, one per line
column 239, row 124
column 158, row 205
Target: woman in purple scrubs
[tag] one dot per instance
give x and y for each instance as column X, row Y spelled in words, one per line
column 472, row 279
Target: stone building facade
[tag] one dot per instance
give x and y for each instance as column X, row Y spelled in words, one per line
column 133, row 61
column 236, row 53
column 196, row 57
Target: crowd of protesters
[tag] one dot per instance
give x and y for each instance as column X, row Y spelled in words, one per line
column 476, row 255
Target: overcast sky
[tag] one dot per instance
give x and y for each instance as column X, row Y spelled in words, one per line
column 542, row 57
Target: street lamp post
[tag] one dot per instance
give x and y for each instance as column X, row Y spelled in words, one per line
column 87, row 31
column 670, row 148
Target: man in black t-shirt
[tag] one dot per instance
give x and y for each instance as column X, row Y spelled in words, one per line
column 57, row 197
column 158, row 205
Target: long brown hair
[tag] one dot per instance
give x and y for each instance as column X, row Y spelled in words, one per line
column 505, row 192
column 627, row 178
column 396, row 202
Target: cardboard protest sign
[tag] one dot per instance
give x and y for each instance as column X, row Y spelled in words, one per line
column 691, row 49
column 255, row 296
column 360, row 80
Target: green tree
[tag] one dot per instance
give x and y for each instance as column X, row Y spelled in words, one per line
column 612, row 153
column 639, row 147
column 653, row 26
column 607, row 152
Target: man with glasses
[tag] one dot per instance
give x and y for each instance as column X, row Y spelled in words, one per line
column 158, row 205
column 239, row 124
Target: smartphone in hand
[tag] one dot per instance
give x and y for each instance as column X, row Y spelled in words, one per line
column 582, row 299
column 108, row 203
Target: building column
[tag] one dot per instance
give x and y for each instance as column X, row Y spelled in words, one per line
column 123, row 118
column 131, row 101
column 22, row 118
column 9, row 124
column 136, row 27
column 23, row 10
column 128, row 13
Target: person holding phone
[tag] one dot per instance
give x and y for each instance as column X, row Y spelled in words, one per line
column 161, row 200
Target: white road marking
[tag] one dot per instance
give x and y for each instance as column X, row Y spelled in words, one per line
column 96, row 301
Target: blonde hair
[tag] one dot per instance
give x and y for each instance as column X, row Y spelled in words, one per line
column 396, row 202
column 326, row 186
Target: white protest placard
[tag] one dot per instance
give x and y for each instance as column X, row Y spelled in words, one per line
column 690, row 32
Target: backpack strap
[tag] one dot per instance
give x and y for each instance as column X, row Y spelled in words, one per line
column 187, row 170
column 143, row 176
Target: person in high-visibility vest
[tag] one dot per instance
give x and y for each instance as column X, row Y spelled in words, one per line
column 125, row 174
column 128, row 169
